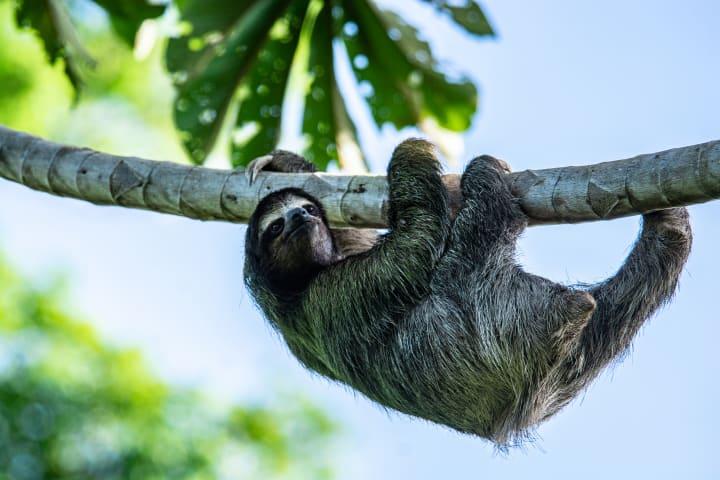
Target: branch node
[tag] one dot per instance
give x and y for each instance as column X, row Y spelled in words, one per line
column 524, row 181
column 123, row 180
column 602, row 201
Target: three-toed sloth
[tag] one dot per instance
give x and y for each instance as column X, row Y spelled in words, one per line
column 434, row 318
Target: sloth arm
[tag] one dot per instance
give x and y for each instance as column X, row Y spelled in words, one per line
column 359, row 299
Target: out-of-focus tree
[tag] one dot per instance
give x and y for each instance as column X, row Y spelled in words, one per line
column 70, row 405
column 236, row 64
column 74, row 407
column 125, row 105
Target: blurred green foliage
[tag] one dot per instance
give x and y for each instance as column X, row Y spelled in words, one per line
column 126, row 104
column 73, row 407
column 50, row 19
column 236, row 65
column 26, row 80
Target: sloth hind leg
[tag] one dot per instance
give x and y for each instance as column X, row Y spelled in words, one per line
column 490, row 217
column 483, row 241
column 484, row 232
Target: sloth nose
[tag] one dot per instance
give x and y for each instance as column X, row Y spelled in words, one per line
column 298, row 215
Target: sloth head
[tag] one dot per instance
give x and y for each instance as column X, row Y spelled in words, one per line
column 288, row 240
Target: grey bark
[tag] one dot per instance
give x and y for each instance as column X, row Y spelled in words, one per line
column 603, row 191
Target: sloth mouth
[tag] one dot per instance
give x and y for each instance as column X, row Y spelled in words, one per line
column 301, row 227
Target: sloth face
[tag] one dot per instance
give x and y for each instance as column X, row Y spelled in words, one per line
column 294, row 237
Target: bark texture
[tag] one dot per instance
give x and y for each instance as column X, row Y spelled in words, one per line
column 677, row 177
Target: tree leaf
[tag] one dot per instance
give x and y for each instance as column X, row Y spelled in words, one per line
column 205, row 23
column 126, row 16
column 468, row 16
column 209, row 62
column 451, row 103
column 331, row 134
column 262, row 91
column 227, row 53
column 403, row 80
column 50, row 21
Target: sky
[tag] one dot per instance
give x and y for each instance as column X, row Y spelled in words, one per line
column 565, row 83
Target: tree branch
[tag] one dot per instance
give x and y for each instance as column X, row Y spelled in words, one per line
column 603, row 191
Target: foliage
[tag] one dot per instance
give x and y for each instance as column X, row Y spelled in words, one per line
column 122, row 97
column 238, row 63
column 50, row 20
column 72, row 407
column 252, row 47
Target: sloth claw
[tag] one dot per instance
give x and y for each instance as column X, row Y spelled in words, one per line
column 256, row 166
column 498, row 164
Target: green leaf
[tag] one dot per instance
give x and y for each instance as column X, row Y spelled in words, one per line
column 262, row 91
column 227, row 56
column 209, row 62
column 204, row 24
column 451, row 103
column 328, row 128
column 52, row 23
column 126, row 16
column 469, row 16
column 404, row 82
column 49, row 19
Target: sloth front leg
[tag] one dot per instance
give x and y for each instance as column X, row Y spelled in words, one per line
column 418, row 220
column 278, row 161
column 397, row 270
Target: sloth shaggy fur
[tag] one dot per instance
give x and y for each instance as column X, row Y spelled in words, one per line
column 435, row 318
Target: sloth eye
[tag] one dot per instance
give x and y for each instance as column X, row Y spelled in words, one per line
column 311, row 209
column 277, row 226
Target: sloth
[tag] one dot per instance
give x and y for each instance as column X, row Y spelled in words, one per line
column 434, row 318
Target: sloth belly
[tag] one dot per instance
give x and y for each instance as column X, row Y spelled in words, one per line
column 471, row 356
column 440, row 366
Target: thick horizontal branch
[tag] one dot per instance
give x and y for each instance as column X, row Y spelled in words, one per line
column 603, row 191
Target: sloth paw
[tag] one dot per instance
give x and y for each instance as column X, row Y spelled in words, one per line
column 499, row 164
column 415, row 184
column 413, row 156
column 672, row 224
column 484, row 175
column 277, row 161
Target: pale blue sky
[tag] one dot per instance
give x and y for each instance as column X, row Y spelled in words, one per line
column 567, row 82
